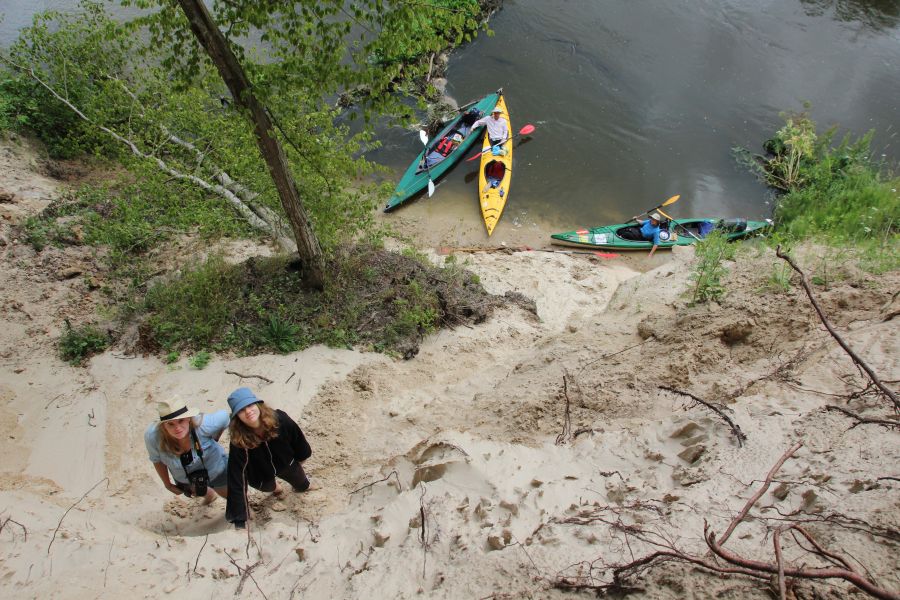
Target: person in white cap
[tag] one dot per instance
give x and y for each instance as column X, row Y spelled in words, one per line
column 497, row 127
column 650, row 230
column 184, row 443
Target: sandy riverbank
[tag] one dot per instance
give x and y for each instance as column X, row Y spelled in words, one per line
column 465, row 434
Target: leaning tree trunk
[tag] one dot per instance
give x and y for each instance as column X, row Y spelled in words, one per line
column 232, row 73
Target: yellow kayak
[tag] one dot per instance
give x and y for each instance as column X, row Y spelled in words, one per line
column 494, row 176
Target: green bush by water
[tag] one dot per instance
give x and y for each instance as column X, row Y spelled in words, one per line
column 834, row 195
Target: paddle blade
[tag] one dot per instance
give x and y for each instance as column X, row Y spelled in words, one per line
column 423, row 136
column 671, row 200
column 527, row 129
column 474, row 157
column 430, row 188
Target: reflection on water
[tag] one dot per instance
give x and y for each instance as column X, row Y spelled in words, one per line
column 872, row 14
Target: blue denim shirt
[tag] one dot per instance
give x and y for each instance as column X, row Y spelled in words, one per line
column 214, row 456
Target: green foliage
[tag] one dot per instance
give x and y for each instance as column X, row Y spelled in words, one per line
column 172, row 357
column 200, row 360
column 709, row 270
column 780, row 277
column 77, row 345
column 833, row 194
column 194, row 310
column 372, row 297
column 280, row 335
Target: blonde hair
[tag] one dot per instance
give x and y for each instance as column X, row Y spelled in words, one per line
column 249, row 438
column 169, row 444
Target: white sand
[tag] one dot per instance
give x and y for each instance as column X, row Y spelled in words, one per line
column 464, row 433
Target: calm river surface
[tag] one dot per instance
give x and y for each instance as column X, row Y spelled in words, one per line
column 637, row 100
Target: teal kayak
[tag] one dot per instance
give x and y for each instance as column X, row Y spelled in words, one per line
column 456, row 135
column 627, row 236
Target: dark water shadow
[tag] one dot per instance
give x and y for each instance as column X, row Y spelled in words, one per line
column 875, row 15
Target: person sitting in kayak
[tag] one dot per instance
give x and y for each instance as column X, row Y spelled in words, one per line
column 497, row 127
column 650, row 230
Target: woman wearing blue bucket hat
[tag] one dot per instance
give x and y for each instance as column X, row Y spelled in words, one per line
column 265, row 444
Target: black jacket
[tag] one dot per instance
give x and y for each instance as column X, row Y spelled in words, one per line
column 254, row 467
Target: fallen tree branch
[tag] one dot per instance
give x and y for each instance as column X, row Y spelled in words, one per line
column 856, row 359
column 861, row 420
column 242, row 376
column 220, row 190
column 735, row 428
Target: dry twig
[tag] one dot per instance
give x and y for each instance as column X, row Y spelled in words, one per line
column 861, row 420
column 738, row 434
column 242, row 376
column 245, row 573
column 563, row 437
column 58, row 525
column 368, row 485
column 10, row 520
column 197, row 560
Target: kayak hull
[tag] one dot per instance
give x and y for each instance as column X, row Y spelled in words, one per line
column 494, row 176
column 616, row 237
column 415, row 179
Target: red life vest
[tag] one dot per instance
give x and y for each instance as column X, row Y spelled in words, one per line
column 444, row 147
column 495, row 170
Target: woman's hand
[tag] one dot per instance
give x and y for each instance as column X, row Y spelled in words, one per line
column 174, row 488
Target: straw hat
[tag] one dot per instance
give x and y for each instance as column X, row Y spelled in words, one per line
column 497, row 109
column 655, row 216
column 175, row 408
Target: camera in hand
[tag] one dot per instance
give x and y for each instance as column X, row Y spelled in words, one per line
column 198, row 479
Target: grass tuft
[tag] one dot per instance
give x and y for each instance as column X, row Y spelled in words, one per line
column 78, row 344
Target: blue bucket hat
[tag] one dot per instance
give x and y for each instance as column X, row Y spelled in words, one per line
column 240, row 399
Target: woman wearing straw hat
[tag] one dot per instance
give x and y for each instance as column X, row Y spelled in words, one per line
column 184, row 443
column 265, row 444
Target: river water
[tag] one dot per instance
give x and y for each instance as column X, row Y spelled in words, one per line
column 637, row 100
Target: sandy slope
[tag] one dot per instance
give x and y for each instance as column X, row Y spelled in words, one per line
column 464, row 434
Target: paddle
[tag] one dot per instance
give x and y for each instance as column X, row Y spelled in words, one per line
column 683, row 228
column 671, row 200
column 424, row 137
column 524, row 131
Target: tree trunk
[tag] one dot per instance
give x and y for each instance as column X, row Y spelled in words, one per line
column 232, row 73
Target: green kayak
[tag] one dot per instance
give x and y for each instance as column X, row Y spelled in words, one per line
column 627, row 236
column 443, row 151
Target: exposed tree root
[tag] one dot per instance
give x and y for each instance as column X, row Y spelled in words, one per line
column 856, row 359
column 602, row 577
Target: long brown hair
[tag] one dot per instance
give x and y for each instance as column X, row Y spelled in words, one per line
column 249, row 438
column 169, row 444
